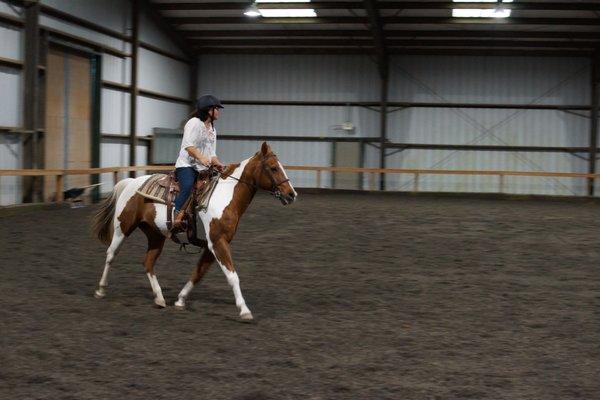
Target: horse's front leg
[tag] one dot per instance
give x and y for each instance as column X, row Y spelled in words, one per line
column 203, row 265
column 222, row 254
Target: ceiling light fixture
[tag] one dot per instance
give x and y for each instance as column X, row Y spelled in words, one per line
column 252, row 11
column 498, row 12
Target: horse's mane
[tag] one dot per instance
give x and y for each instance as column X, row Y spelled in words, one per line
column 231, row 167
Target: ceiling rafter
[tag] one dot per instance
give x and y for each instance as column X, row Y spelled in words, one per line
column 383, row 5
column 413, row 20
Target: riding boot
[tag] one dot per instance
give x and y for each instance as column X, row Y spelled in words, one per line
column 179, row 224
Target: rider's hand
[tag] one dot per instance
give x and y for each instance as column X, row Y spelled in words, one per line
column 219, row 167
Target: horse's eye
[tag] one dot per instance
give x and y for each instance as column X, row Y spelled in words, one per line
column 274, row 169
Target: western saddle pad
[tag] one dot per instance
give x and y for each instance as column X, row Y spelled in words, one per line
column 164, row 188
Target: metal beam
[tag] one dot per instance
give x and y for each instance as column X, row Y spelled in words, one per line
column 352, row 42
column 461, row 147
column 440, row 33
column 593, row 149
column 385, row 20
column 58, row 14
column 398, row 50
column 133, row 92
column 401, row 104
column 379, row 42
column 383, row 5
column 31, row 94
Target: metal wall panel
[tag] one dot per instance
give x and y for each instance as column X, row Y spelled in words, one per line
column 149, row 33
column 11, row 98
column 10, row 158
column 112, row 14
column 162, row 74
column 298, row 78
column 115, row 112
column 563, row 81
column 12, row 43
column 115, row 69
column 265, row 77
column 10, row 10
column 154, row 113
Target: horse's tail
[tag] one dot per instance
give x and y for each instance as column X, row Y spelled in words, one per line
column 102, row 223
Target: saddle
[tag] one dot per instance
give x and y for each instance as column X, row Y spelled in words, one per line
column 163, row 188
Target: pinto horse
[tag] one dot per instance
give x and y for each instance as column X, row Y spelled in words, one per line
column 125, row 210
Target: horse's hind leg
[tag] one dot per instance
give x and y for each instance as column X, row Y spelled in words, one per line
column 156, row 242
column 111, row 252
column 203, row 265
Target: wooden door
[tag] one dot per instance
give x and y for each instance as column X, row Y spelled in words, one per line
column 68, row 118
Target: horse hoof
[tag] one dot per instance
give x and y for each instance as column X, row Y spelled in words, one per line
column 247, row 316
column 160, row 303
column 179, row 305
column 100, row 293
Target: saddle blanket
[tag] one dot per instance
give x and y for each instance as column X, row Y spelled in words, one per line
column 161, row 188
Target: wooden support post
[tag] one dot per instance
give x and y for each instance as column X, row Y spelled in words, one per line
column 594, row 121
column 59, row 188
column 133, row 92
column 373, row 180
column 319, row 178
column 115, row 178
column 416, row 182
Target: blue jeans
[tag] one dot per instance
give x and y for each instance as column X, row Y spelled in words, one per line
column 186, row 177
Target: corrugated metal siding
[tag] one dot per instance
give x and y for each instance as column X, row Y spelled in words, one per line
column 11, row 98
column 149, row 33
column 115, row 69
column 10, row 158
column 115, row 112
column 10, row 10
column 11, row 45
column 162, row 74
column 297, row 121
column 154, row 113
column 265, row 77
column 298, row 78
column 489, row 80
column 112, row 14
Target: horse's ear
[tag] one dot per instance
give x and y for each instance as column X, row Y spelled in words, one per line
column 265, row 149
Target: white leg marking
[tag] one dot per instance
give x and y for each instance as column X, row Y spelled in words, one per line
column 180, row 303
column 111, row 252
column 234, row 281
column 159, row 300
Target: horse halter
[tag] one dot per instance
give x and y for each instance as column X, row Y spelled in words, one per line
column 275, row 185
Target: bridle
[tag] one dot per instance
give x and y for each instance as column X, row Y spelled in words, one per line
column 275, row 191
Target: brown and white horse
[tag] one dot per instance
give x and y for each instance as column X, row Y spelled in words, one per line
column 125, row 210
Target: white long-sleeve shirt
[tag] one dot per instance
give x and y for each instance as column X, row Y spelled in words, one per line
column 196, row 134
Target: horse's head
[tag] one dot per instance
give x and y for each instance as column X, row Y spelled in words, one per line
column 272, row 176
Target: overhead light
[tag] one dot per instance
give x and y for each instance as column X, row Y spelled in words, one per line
column 283, row 1
column 295, row 12
column 252, row 11
column 498, row 12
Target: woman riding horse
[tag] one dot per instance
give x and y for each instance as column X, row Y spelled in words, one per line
column 197, row 152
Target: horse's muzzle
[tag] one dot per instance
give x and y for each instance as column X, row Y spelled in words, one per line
column 286, row 199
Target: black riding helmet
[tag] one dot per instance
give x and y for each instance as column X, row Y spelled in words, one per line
column 207, row 102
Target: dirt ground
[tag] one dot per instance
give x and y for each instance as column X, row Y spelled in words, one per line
column 367, row 296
